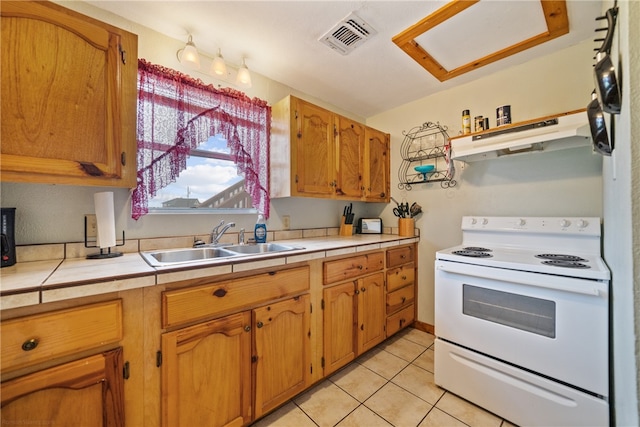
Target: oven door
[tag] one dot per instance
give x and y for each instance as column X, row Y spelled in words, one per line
column 551, row 325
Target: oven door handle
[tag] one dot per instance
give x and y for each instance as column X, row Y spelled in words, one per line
column 566, row 284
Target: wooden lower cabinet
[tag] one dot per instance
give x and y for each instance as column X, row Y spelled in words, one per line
column 85, row 392
column 208, row 368
column 354, row 319
column 206, row 373
column 281, row 352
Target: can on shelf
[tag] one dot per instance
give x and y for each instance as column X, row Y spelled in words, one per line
column 503, row 115
column 478, row 124
column 486, row 123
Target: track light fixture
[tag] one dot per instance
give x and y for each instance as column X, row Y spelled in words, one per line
column 244, row 77
column 189, row 55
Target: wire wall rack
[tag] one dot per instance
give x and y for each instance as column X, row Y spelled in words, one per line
column 425, row 153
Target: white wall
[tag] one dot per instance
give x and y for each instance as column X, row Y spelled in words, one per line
column 560, row 183
column 622, row 220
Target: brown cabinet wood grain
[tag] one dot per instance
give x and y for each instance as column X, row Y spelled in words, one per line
column 85, row 392
column 30, row 340
column 347, row 268
column 68, row 97
column 318, row 153
column 206, row 373
column 282, row 352
column 200, row 302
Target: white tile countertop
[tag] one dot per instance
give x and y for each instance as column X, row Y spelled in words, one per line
column 28, row 283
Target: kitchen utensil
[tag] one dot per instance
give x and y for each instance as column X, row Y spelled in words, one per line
column 607, row 86
column 414, row 210
column 598, row 127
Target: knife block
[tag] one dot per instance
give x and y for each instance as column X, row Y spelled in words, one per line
column 345, row 229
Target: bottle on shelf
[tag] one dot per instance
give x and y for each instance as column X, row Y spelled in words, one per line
column 466, row 122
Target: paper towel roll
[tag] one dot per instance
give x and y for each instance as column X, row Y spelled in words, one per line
column 105, row 219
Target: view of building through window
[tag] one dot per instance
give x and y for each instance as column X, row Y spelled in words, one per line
column 209, row 182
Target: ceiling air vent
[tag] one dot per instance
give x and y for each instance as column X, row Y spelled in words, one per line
column 347, row 34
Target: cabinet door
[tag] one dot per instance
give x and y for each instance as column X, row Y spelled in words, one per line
column 86, row 392
column 68, row 97
column 339, row 325
column 371, row 311
column 282, row 352
column 349, row 146
column 376, row 166
column 206, row 373
column 315, row 171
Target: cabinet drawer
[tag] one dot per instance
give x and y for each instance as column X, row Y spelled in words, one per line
column 400, row 320
column 398, row 299
column 33, row 339
column 185, row 305
column 399, row 256
column 348, row 268
column 399, row 277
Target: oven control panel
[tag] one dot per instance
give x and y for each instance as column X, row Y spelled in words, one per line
column 561, row 225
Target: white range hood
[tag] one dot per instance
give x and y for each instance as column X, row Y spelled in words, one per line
column 549, row 133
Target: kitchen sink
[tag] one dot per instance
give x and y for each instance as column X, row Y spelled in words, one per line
column 183, row 256
column 260, row 248
column 170, row 257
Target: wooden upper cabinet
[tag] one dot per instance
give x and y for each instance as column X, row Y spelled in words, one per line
column 349, row 144
column 314, row 150
column 68, row 97
column 376, row 166
column 317, row 153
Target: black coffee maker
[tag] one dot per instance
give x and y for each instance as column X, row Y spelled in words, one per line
column 7, row 227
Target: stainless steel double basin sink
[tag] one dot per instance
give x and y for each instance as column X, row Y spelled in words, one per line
column 199, row 255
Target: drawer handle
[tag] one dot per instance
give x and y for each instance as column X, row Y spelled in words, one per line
column 404, row 277
column 30, row 344
column 360, row 267
column 404, row 299
column 403, row 256
column 220, row 293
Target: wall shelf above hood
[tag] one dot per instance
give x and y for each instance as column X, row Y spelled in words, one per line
column 557, row 132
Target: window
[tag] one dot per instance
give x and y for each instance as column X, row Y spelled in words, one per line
column 210, row 181
column 177, row 118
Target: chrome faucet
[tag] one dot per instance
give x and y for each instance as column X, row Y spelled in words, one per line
column 217, row 232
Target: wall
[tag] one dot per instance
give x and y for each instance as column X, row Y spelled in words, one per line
column 621, row 176
column 560, row 183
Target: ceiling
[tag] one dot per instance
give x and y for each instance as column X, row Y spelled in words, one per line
column 279, row 40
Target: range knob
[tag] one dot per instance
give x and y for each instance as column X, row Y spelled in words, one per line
column 522, row 222
column 485, row 221
column 582, row 223
column 564, row 223
column 474, row 221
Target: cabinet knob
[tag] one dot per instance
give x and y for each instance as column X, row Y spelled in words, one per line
column 31, row 344
column 404, row 277
column 357, row 292
column 363, row 289
column 259, row 324
column 247, row 328
column 360, row 267
column 219, row 293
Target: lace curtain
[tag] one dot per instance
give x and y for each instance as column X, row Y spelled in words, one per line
column 177, row 112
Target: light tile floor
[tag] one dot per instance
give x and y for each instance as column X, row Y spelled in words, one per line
column 392, row 385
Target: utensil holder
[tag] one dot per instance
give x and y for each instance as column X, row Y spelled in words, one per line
column 406, row 227
column 345, row 229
